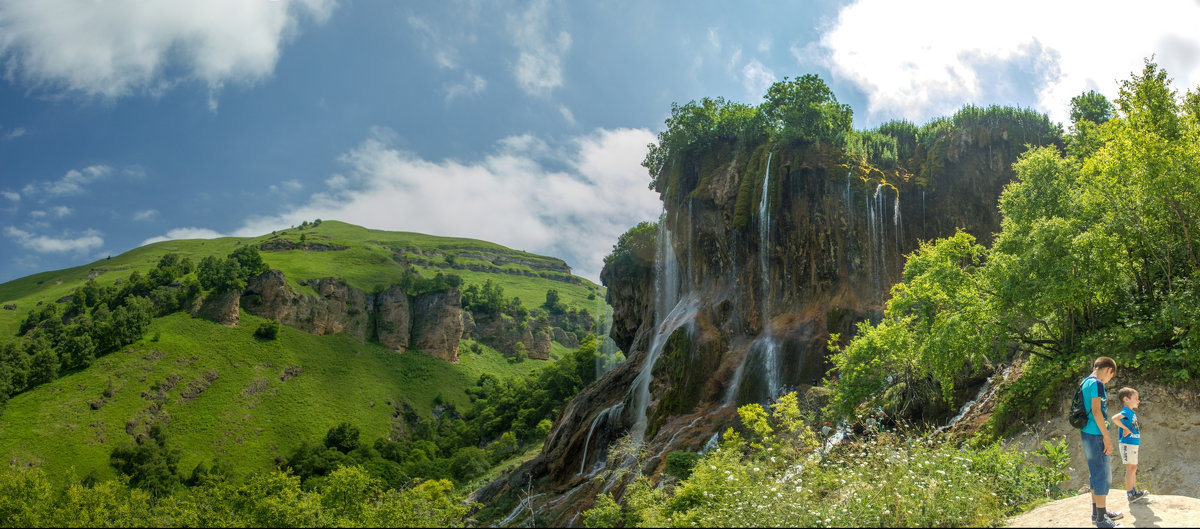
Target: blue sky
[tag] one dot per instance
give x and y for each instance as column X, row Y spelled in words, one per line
column 522, row 123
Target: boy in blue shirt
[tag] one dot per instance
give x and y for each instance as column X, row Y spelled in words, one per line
column 1129, row 439
column 1097, row 445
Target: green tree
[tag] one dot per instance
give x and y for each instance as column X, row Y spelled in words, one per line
column 343, row 437
column 804, row 109
column 1090, row 106
column 150, row 464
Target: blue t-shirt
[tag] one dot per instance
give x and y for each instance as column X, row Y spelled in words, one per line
column 1129, row 419
column 1093, row 387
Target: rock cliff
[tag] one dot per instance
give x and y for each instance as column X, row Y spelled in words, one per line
column 762, row 254
column 431, row 322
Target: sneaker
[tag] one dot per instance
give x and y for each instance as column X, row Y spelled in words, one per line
column 1138, row 495
column 1110, row 515
column 1108, row 523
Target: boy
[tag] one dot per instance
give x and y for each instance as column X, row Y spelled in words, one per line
column 1129, row 439
column 1097, row 445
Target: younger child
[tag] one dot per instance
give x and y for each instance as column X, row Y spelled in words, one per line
column 1130, row 440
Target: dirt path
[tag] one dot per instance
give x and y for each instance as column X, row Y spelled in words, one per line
column 1163, row 511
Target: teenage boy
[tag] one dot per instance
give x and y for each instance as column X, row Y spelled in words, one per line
column 1097, row 445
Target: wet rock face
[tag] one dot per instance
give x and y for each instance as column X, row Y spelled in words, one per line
column 834, row 245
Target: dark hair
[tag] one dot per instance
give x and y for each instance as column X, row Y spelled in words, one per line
column 1126, row 393
column 1104, row 362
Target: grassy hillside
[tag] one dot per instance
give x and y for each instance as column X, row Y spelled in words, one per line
column 223, row 392
column 368, row 262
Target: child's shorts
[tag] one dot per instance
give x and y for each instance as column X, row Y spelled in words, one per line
column 1129, row 454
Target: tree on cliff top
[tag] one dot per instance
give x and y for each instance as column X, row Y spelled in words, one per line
column 805, row 110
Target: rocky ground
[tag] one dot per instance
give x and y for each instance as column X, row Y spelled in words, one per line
column 1162, row 511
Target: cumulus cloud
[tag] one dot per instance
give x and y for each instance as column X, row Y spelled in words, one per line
column 45, row 244
column 540, row 50
column 757, row 78
column 186, row 233
column 73, row 182
column 912, row 63
column 145, row 215
column 571, row 201
column 11, row 195
column 118, row 48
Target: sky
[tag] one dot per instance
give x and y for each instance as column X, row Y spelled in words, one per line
column 522, row 123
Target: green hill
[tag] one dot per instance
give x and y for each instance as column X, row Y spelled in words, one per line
column 224, row 392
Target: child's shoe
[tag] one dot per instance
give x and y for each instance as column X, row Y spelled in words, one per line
column 1107, row 522
column 1137, row 495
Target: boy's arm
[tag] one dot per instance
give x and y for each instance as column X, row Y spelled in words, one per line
column 1116, row 419
column 1096, row 416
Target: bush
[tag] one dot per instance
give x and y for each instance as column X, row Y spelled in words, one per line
column 267, row 331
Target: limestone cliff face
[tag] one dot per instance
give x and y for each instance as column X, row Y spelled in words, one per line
column 431, row 322
column 393, row 319
column 762, row 255
column 438, row 324
column 220, row 308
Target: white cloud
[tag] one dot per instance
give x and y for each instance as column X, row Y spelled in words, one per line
column 119, row 48
column 570, row 202
column 14, row 133
column 540, row 51
column 470, row 85
column 757, row 79
column 72, row 183
column 11, row 195
column 286, row 186
column 567, row 115
column 44, row 244
column 1018, row 52
column 186, row 233
column 60, row 211
column 443, row 48
column 145, row 215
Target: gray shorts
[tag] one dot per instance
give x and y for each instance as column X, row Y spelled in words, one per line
column 1129, row 454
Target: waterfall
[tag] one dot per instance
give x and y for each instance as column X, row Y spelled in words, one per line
column 764, row 227
column 606, row 348
column 607, row 415
column 770, row 353
column 670, row 313
column 896, row 222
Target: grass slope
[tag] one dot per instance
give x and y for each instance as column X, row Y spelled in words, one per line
column 250, row 414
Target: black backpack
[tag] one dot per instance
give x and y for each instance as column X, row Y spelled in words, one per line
column 1078, row 416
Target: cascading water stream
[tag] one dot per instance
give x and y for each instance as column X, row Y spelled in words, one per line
column 606, row 347
column 770, row 354
column 608, row 415
column 670, row 313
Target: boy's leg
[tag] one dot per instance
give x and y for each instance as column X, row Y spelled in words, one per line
column 1099, row 471
column 1130, row 477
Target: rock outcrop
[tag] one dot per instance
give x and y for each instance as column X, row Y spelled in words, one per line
column 220, row 308
column 393, row 319
column 438, row 324
column 763, row 254
column 432, row 322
